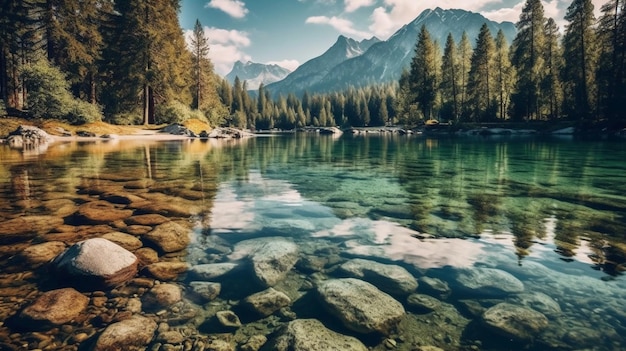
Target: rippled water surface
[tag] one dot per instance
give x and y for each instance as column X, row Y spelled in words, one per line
column 549, row 213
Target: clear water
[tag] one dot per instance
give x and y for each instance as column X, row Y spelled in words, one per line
column 551, row 212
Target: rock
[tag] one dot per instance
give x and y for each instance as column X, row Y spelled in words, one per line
column 271, row 257
column 515, row 322
column 25, row 228
column 211, row 271
column 147, row 219
column 28, row 138
column 96, row 263
column 178, row 129
column 435, row 286
column 166, row 270
column 169, row 237
column 391, row 279
column 133, row 334
column 423, row 303
column 360, row 306
column 101, row 212
column 162, row 296
column 537, row 301
column 312, row 335
column 267, row 301
column 129, row 242
column 54, row 307
column 170, row 337
column 39, row 254
column 206, row 291
column 228, row 133
column 228, row 319
column 488, row 281
column 85, row 134
column 254, row 343
column 219, row 345
column 147, row 256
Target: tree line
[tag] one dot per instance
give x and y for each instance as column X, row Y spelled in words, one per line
column 542, row 75
column 127, row 62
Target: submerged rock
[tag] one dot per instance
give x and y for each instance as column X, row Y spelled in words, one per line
column 39, row 254
column 312, row 335
column 267, row 301
column 54, row 307
column 271, row 257
column 423, row 303
column 95, row 263
column 539, row 302
column 488, row 281
column 162, row 296
column 25, row 228
column 435, row 286
column 166, row 270
column 169, row 237
column 228, row 319
column 360, row 306
column 209, row 271
column 206, row 291
column 132, row 334
column 101, row 212
column 516, row 322
column 389, row 278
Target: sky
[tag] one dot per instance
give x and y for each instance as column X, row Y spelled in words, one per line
column 291, row 32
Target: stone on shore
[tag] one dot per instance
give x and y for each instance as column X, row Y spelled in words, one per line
column 488, row 282
column 391, row 279
column 272, row 257
column 169, row 237
column 515, row 322
column 360, row 306
column 28, row 137
column 267, row 301
column 96, row 263
column 312, row 335
column 133, row 334
column 54, row 307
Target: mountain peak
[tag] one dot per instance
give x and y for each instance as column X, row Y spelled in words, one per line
column 256, row 73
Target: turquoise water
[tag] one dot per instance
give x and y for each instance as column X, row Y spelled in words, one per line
column 549, row 212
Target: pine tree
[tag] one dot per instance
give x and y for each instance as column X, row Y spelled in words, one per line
column 580, row 59
column 481, row 77
column 465, row 56
column 551, row 86
column 504, row 74
column 527, row 57
column 201, row 65
column 450, row 80
column 423, row 74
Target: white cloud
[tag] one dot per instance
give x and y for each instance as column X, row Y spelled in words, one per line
column 225, row 47
column 288, row 64
column 342, row 25
column 353, row 5
column 234, row 8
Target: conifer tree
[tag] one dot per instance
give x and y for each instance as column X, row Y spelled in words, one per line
column 527, row 56
column 450, row 80
column 551, row 86
column 481, row 77
column 202, row 67
column 611, row 82
column 580, row 59
column 423, row 74
column 464, row 60
column 503, row 74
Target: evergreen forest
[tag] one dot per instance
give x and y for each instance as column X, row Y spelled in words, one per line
column 128, row 62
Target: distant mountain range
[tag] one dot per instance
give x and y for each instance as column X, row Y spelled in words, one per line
column 352, row 63
column 256, row 73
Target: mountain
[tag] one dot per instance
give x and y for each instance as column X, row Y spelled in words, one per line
column 256, row 73
column 313, row 71
column 384, row 61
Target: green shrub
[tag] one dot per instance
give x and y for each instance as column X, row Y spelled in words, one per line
column 49, row 95
column 176, row 112
column 128, row 119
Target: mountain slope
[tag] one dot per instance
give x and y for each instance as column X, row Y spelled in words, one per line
column 256, row 73
column 384, row 61
column 314, row 70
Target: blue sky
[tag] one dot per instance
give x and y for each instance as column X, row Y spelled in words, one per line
column 291, row 32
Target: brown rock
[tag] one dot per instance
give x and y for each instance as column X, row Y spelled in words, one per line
column 147, row 219
column 147, row 256
column 162, row 295
column 129, row 242
column 27, row 227
column 169, row 237
column 101, row 212
column 54, row 307
column 138, row 229
column 37, row 255
column 166, row 270
column 267, row 301
column 132, row 334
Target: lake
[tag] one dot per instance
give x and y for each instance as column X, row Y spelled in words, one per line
column 482, row 243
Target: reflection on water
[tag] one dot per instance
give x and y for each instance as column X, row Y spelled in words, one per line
column 547, row 212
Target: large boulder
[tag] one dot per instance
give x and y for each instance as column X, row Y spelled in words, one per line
column 360, row 306
column 96, row 263
column 389, row 278
column 55, row 307
column 132, row 334
column 312, row 335
column 169, row 237
column 488, row 282
column 272, row 257
column 29, row 137
column 515, row 322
